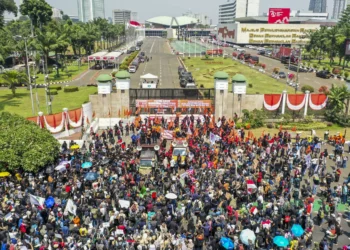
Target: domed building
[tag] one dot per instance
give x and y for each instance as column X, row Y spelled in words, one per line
column 172, row 22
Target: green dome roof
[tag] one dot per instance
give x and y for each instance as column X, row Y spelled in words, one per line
column 239, row 78
column 123, row 74
column 221, row 75
column 104, row 78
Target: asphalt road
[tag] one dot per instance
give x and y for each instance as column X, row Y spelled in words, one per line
column 163, row 64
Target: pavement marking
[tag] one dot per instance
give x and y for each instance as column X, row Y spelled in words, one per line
column 150, row 51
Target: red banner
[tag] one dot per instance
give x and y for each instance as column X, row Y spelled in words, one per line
column 194, row 103
column 279, row 15
column 156, row 103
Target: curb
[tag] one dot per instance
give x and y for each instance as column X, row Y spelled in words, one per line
column 54, row 83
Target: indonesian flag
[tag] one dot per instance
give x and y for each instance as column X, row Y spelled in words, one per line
column 250, row 186
column 134, row 24
column 253, row 210
column 266, row 224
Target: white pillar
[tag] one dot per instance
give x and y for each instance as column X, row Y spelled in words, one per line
column 39, row 122
column 307, row 96
column 66, row 129
column 284, row 99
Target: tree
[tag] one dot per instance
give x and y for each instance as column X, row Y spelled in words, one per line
column 14, row 78
column 7, row 6
column 345, row 17
column 39, row 12
column 336, row 98
column 24, row 145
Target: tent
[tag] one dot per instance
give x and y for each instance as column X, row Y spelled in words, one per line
column 149, row 81
column 149, row 77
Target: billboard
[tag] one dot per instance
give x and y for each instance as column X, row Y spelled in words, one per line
column 173, row 103
column 279, row 15
column 347, row 47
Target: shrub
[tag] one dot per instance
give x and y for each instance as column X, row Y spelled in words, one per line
column 304, row 126
column 270, row 125
column 71, row 89
column 250, row 85
column 307, row 87
column 336, row 71
column 53, row 92
column 263, row 65
column 276, row 70
column 329, row 124
column 323, row 89
column 55, row 87
column 315, row 66
column 114, row 73
column 346, row 74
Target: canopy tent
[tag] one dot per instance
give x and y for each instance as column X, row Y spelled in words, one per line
column 97, row 56
column 149, row 77
column 112, row 56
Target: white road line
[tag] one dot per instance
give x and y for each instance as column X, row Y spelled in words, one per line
column 150, row 51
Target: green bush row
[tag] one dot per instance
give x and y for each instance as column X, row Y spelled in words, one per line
column 128, row 60
column 53, row 92
column 303, row 126
column 71, row 89
column 55, row 87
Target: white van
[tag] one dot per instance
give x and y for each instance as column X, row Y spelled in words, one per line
column 132, row 69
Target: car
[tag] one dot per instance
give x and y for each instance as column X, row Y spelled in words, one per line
column 137, row 48
column 324, row 74
column 281, row 74
column 132, row 49
column 128, row 51
column 142, row 53
column 241, row 50
column 261, row 52
column 132, row 69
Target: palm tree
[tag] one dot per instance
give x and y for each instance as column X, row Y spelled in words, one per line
column 337, row 97
column 14, row 78
column 332, row 35
column 7, row 6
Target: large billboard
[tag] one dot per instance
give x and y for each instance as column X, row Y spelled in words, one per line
column 279, row 15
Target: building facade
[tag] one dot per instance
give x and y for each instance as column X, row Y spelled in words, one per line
column 338, row 8
column 238, row 8
column 318, row 6
column 89, row 10
column 121, row 16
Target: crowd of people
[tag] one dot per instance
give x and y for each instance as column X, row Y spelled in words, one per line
column 232, row 190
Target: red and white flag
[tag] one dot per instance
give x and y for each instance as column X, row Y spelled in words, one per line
column 250, row 186
column 134, row 24
column 253, row 210
column 266, row 224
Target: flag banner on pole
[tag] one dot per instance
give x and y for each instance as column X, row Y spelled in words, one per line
column 134, row 24
column 70, row 207
column 36, row 200
column 253, row 210
column 250, row 186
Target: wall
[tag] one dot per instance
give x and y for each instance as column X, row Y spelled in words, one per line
column 226, row 104
column 109, row 105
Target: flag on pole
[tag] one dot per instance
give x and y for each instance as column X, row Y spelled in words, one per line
column 253, row 210
column 70, row 207
column 134, row 24
column 36, row 200
column 250, row 186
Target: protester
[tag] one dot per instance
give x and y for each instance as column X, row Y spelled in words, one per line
column 232, row 190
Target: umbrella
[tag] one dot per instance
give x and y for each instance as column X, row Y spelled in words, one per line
column 50, row 202
column 280, row 241
column 91, row 176
column 75, row 146
column 87, row 164
column 171, row 196
column 227, row 243
column 297, row 230
column 246, row 236
column 4, row 174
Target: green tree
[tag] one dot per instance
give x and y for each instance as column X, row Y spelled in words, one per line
column 7, row 6
column 13, row 78
column 24, row 145
column 39, row 12
column 345, row 17
column 336, row 99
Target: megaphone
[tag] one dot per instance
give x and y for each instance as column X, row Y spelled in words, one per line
column 185, row 144
column 156, row 147
column 173, row 144
column 138, row 148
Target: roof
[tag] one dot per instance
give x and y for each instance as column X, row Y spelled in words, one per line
column 149, row 76
column 112, row 56
column 97, row 56
column 123, row 74
column 173, row 21
column 239, row 78
column 221, row 75
column 104, row 78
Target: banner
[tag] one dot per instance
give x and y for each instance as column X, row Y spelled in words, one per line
column 279, row 15
column 156, row 103
column 70, row 207
column 194, row 103
column 36, row 200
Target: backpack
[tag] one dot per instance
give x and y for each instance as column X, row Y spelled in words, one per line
column 321, row 214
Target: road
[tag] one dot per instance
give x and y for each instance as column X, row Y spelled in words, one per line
column 163, row 64
column 304, row 78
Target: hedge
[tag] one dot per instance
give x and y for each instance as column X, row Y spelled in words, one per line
column 303, row 126
column 71, row 89
column 53, row 92
column 307, row 87
column 55, row 87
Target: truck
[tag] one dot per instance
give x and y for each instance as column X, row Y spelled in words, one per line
column 214, row 52
column 180, row 148
column 148, row 156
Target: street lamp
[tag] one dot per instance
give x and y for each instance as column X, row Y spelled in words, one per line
column 18, row 38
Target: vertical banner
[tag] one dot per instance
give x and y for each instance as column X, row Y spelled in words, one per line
column 279, row 15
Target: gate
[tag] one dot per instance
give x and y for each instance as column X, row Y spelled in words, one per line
column 170, row 94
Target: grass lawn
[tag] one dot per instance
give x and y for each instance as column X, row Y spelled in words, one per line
column 21, row 103
column 203, row 72
column 74, row 70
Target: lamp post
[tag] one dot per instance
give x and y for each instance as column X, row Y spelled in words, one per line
column 28, row 70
